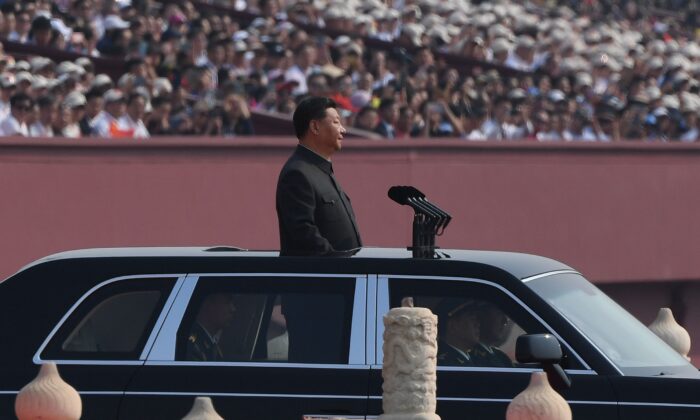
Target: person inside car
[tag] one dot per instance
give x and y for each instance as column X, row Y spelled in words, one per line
column 213, row 317
column 494, row 329
column 458, row 332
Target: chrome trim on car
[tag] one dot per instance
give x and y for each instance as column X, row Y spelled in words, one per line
column 508, row 370
column 505, row 400
column 81, row 362
column 37, row 356
column 653, row 404
column 382, row 309
column 371, row 325
column 384, row 295
column 358, row 338
column 161, row 318
column 164, row 345
column 242, row 394
column 326, row 275
column 116, row 393
column 547, row 274
column 256, row 364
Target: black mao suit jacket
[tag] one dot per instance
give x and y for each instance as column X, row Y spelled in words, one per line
column 315, row 218
column 314, row 213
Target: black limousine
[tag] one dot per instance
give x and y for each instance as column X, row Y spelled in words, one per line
column 140, row 332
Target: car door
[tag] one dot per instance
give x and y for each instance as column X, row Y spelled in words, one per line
column 102, row 340
column 262, row 346
column 482, row 380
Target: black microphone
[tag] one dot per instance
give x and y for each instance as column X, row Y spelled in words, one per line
column 399, row 193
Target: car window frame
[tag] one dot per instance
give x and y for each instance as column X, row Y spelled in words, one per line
column 178, row 282
column 163, row 352
column 383, row 307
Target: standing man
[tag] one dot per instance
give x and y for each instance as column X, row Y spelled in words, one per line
column 314, row 213
column 315, row 218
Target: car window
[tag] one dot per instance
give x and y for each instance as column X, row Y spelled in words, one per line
column 113, row 322
column 237, row 319
column 628, row 343
column 478, row 324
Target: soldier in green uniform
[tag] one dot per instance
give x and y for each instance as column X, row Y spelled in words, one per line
column 214, row 315
column 458, row 332
column 494, row 329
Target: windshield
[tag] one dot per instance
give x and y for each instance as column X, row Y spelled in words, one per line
column 629, row 344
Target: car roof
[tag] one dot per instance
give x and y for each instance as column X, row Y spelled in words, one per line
column 520, row 265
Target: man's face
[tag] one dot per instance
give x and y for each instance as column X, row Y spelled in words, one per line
column 368, row 120
column 21, row 110
column 494, row 326
column 23, row 23
column 94, row 106
column 467, row 326
column 116, row 108
column 47, row 114
column 137, row 107
column 329, row 131
column 391, row 114
column 217, row 310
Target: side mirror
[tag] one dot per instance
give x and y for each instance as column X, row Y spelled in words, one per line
column 538, row 348
column 545, row 350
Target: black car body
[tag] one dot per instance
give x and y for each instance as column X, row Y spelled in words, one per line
column 123, row 327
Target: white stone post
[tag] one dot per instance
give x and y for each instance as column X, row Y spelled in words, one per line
column 539, row 401
column 203, row 409
column 410, row 360
column 666, row 327
column 48, row 397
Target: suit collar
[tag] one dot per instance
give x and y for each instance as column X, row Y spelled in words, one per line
column 313, row 157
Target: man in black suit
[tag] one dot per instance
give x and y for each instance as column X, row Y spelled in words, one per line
column 388, row 116
column 314, row 213
column 315, row 218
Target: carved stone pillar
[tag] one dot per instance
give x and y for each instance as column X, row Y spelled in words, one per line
column 48, row 397
column 666, row 327
column 410, row 359
column 203, row 409
column 538, row 401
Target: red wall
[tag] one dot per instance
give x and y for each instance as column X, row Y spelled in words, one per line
column 627, row 212
column 623, row 214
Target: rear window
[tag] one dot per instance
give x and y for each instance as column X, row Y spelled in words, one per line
column 113, row 322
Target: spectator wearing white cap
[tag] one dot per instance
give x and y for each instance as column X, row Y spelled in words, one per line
column 523, row 56
column 106, row 123
column 15, row 124
column 73, row 110
column 24, row 81
column 43, row 126
column 132, row 120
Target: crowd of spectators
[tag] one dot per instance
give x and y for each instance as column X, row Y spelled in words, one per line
column 592, row 70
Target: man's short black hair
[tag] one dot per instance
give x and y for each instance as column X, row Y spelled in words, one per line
column 386, row 104
column 45, row 101
column 93, row 93
column 133, row 96
column 19, row 98
column 312, row 108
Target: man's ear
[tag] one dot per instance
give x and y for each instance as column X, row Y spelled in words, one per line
column 314, row 126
